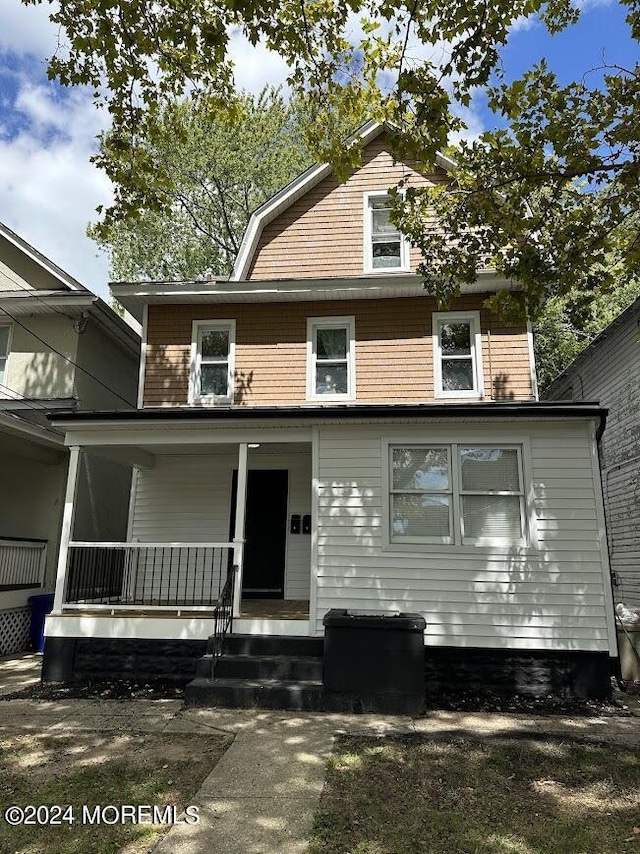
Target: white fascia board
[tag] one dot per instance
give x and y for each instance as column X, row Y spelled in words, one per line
column 444, row 162
column 51, row 302
column 40, row 259
column 42, row 435
column 270, row 210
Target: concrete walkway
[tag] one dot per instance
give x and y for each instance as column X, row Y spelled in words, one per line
column 261, row 796
column 19, row 671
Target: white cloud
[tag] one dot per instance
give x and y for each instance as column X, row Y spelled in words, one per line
column 255, row 67
column 48, row 188
column 27, row 29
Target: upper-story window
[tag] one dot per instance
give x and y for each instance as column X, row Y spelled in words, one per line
column 386, row 248
column 457, row 354
column 330, row 358
column 5, row 334
column 212, row 361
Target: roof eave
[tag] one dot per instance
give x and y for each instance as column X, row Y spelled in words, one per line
column 32, row 253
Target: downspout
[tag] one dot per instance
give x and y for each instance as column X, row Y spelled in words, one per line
column 622, row 685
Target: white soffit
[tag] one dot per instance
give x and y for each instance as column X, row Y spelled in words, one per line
column 134, row 296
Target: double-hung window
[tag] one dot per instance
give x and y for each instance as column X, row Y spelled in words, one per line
column 461, row 494
column 491, row 493
column 330, row 358
column 212, row 361
column 421, row 494
column 5, row 335
column 457, row 354
column 386, row 248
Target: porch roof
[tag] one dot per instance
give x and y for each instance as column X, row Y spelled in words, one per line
column 312, row 413
column 137, row 437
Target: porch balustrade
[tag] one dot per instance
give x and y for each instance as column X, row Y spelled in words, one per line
column 22, row 563
column 153, row 576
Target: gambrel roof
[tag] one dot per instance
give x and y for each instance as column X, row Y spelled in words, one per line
column 305, row 182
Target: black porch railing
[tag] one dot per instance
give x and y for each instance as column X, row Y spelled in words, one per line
column 176, row 575
column 223, row 617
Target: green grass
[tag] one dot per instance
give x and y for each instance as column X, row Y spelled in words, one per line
column 412, row 795
column 98, row 768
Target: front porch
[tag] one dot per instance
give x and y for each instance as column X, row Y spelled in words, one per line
column 203, row 513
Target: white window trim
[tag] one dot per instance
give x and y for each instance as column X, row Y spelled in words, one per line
column 368, row 238
column 473, row 318
column 4, row 357
column 458, row 543
column 521, row 494
column 450, row 492
column 197, row 329
column 314, row 323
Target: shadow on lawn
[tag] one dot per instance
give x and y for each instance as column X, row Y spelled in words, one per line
column 414, row 795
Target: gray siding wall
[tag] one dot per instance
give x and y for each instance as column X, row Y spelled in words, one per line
column 609, row 371
column 33, row 368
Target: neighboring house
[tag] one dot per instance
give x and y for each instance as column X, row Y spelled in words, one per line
column 608, row 370
column 61, row 347
column 317, row 421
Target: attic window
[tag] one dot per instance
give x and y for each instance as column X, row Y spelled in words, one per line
column 385, row 247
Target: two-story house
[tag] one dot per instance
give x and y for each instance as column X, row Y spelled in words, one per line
column 61, row 347
column 319, row 423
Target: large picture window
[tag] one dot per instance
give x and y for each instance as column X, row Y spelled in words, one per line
column 330, row 358
column 212, row 361
column 459, row 494
column 457, row 354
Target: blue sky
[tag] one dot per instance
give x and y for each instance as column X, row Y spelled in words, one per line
column 49, row 189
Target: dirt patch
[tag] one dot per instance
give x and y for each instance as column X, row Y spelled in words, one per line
column 98, row 770
column 113, row 689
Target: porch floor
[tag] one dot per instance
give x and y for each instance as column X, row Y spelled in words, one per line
column 275, row 609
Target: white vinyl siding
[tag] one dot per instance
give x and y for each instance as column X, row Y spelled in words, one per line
column 186, row 498
column 548, row 595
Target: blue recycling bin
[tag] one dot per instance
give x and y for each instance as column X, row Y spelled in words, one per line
column 40, row 605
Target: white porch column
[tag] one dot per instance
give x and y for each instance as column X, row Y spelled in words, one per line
column 68, row 516
column 238, row 535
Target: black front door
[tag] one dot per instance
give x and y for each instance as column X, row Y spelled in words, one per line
column 265, row 532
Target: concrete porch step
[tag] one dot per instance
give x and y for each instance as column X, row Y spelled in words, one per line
column 270, row 645
column 295, row 668
column 300, row 695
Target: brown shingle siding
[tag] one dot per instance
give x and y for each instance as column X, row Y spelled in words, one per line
column 321, row 234
column 394, row 357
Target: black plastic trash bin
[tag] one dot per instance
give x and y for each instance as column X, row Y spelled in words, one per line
column 40, row 605
column 376, row 658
